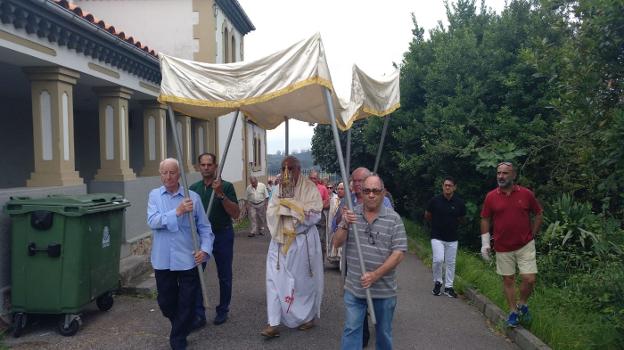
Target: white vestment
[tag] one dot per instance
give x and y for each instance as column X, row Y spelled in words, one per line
column 294, row 265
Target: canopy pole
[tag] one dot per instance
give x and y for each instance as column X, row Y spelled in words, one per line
column 345, row 180
column 348, row 153
column 196, row 247
column 381, row 143
column 286, row 141
column 223, row 157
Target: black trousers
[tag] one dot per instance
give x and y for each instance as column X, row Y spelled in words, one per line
column 177, row 292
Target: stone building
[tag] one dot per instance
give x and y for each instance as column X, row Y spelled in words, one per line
column 78, row 88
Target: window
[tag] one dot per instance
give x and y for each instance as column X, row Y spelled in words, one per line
column 226, row 40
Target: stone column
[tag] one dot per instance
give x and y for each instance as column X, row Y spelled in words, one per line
column 204, row 137
column 154, row 137
column 53, row 126
column 114, row 153
column 183, row 128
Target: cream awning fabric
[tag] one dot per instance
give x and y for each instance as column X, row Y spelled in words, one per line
column 288, row 83
column 370, row 97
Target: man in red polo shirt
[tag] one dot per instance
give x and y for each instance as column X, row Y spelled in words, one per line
column 508, row 210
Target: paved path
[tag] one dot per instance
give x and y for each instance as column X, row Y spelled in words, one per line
column 422, row 321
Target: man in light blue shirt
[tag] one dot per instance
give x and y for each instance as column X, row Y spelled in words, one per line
column 173, row 257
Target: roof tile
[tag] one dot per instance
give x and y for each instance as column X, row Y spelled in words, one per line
column 102, row 24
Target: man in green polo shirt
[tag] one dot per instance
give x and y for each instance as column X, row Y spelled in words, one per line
column 224, row 209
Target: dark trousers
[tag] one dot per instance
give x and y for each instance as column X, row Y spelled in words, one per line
column 177, row 291
column 223, row 253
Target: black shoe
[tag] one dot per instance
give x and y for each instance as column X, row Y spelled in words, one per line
column 450, row 292
column 436, row 288
column 220, row 319
column 198, row 324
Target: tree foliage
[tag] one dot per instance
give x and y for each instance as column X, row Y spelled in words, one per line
column 541, row 85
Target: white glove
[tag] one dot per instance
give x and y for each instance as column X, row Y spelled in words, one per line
column 485, row 246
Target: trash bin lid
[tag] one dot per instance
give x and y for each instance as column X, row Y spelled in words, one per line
column 69, row 205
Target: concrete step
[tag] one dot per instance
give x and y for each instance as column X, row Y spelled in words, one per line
column 144, row 285
column 134, row 267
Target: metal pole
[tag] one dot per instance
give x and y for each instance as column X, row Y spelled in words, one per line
column 176, row 141
column 286, row 142
column 332, row 117
column 348, row 154
column 222, row 159
column 381, row 143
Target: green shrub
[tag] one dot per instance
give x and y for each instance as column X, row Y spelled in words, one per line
column 576, row 240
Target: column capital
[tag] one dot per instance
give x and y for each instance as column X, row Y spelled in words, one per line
column 113, row 91
column 52, row 74
column 153, row 104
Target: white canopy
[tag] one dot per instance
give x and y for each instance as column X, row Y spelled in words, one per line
column 288, row 83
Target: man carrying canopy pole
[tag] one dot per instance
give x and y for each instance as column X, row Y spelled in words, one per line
column 175, row 215
column 224, row 238
column 343, row 172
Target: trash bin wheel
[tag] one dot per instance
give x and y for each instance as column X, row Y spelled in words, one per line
column 19, row 323
column 71, row 329
column 105, row 301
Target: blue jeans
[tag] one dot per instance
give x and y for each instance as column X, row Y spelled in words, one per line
column 354, row 317
column 223, row 253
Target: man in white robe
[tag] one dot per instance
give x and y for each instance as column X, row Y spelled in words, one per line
column 294, row 266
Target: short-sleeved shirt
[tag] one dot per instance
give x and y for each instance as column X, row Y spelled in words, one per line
column 257, row 195
column 378, row 240
column 510, row 214
column 444, row 216
column 219, row 218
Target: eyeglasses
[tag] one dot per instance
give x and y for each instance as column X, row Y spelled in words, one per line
column 171, row 173
column 375, row 191
column 290, row 168
column 372, row 236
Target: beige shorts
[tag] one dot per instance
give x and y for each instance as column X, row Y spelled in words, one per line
column 524, row 257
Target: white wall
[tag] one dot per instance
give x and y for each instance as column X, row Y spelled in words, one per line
column 233, row 170
column 219, row 36
column 163, row 25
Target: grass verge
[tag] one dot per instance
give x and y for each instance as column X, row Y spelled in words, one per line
column 561, row 318
column 243, row 224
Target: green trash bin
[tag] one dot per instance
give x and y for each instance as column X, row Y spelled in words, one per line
column 64, row 255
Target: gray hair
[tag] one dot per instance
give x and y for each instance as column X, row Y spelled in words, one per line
column 169, row 160
column 366, row 172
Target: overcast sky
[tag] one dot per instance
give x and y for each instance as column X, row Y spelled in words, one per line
column 370, row 33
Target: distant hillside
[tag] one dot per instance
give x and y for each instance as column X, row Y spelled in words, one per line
column 274, row 160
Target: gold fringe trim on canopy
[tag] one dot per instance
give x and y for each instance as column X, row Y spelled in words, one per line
column 248, row 101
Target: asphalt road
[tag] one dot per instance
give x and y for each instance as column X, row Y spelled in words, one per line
column 421, row 321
